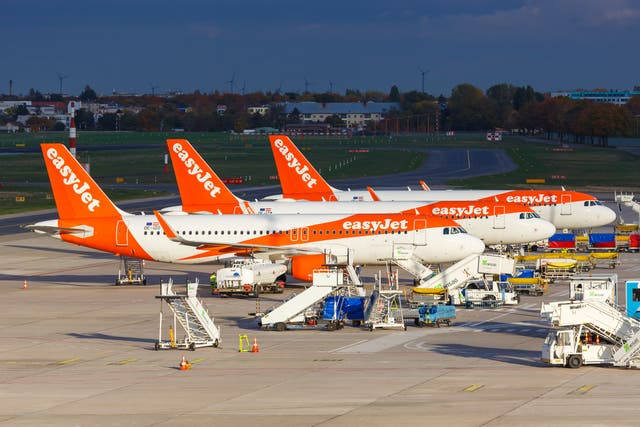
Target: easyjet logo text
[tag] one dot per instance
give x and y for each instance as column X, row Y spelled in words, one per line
column 540, row 198
column 461, row 211
column 194, row 169
column 294, row 163
column 386, row 224
column 70, row 179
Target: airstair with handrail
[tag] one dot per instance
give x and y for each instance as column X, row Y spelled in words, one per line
column 189, row 312
column 602, row 319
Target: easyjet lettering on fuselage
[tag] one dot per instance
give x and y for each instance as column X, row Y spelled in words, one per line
column 193, row 168
column 295, row 164
column 70, row 178
column 468, row 210
column 540, row 198
column 386, row 224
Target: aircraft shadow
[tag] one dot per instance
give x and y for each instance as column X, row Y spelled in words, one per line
column 105, row 337
column 505, row 355
column 94, row 255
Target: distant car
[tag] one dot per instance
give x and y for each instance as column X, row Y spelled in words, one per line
column 494, row 136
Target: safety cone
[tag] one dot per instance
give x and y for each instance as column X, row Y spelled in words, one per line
column 24, row 285
column 255, row 348
column 184, row 365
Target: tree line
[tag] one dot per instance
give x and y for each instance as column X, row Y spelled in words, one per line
column 468, row 108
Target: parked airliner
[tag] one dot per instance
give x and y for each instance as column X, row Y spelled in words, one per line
column 564, row 209
column 88, row 218
column 201, row 190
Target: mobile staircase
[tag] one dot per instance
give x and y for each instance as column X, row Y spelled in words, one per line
column 199, row 328
column 620, row 333
column 300, row 309
column 131, row 272
column 384, row 309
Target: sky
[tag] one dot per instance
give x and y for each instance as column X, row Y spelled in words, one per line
column 145, row 46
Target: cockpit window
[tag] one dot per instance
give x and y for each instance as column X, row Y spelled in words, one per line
column 529, row 215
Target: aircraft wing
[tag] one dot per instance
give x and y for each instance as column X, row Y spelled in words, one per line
column 233, row 247
column 51, row 229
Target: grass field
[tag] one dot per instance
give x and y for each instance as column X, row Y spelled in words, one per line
column 249, row 157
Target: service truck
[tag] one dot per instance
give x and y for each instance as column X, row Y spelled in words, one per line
column 249, row 277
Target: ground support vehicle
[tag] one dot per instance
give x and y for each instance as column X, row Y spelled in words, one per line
column 435, row 315
column 131, row 272
column 199, row 327
column 536, row 286
column 634, row 242
column 562, row 242
column 250, row 277
column 609, row 259
column 307, row 309
column 602, row 242
column 594, row 287
column 593, row 332
column 458, row 276
column 633, row 298
column 384, row 307
column 486, row 294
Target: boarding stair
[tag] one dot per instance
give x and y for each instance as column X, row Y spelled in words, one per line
column 334, row 279
column 602, row 319
column 384, row 309
column 471, row 268
column 188, row 310
column 131, row 272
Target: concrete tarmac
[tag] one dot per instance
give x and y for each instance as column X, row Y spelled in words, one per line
column 77, row 350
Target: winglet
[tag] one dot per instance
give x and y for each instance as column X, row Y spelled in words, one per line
column 373, row 194
column 298, row 178
column 199, row 186
column 424, row 186
column 76, row 194
column 165, row 227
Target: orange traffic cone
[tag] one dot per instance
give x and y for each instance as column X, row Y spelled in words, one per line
column 24, row 285
column 184, row 365
column 255, row 348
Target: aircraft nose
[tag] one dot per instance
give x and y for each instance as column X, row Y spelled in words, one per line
column 607, row 215
column 544, row 229
column 473, row 245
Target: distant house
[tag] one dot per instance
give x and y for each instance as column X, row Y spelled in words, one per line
column 10, row 128
column 353, row 114
column 221, row 109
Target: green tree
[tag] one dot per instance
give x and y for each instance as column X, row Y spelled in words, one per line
column 88, row 94
column 470, row 109
column 394, row 94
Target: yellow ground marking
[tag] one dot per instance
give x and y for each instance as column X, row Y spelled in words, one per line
column 66, row 362
column 584, row 389
column 123, row 362
column 473, row 388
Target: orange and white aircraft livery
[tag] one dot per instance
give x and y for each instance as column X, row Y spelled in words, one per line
column 88, row 218
column 564, row 209
column 202, row 191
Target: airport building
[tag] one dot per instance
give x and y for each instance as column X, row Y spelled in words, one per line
column 353, row 114
column 617, row 97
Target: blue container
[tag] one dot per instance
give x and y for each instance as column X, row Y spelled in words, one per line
column 433, row 313
column 351, row 308
column 597, row 238
column 563, row 237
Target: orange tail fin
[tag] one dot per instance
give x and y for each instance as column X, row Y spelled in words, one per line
column 76, row 194
column 199, row 186
column 424, row 186
column 298, row 178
